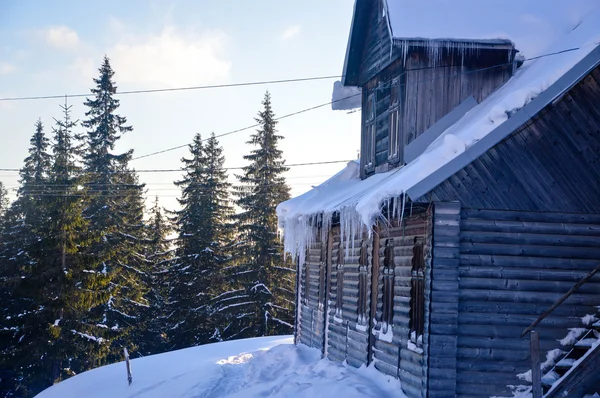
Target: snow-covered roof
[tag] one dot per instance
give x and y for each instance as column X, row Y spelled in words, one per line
column 532, row 25
column 536, row 84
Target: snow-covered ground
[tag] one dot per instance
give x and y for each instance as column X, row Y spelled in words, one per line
column 260, row 367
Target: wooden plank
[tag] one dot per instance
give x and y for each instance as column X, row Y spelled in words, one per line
column 582, row 379
column 536, row 374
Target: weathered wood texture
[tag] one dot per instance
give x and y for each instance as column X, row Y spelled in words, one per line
column 513, row 266
column 377, row 44
column 582, row 380
column 312, row 312
column 442, row 275
column 395, row 358
column 552, row 163
column 347, row 338
column 429, row 88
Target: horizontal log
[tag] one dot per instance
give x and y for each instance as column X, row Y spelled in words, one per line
column 518, row 297
column 520, row 239
column 509, row 307
column 386, row 368
column 525, row 262
column 503, row 215
column 547, row 228
column 538, row 274
column 528, row 250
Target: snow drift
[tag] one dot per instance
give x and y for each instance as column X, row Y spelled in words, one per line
column 260, row 367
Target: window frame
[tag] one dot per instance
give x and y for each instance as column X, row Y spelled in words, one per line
column 339, row 295
column 369, row 132
column 394, row 136
column 417, row 299
column 306, row 277
column 363, row 265
column 387, row 296
column 322, row 266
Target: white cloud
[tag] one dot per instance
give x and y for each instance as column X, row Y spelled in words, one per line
column 171, row 58
column 62, row 37
column 290, row 32
column 87, row 67
column 6, row 68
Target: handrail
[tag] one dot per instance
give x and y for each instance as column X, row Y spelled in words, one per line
column 561, row 300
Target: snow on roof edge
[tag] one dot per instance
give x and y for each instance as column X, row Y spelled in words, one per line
column 360, row 200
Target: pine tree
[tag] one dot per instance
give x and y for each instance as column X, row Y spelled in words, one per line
column 204, row 235
column 263, row 302
column 23, row 255
column 118, row 279
column 3, row 206
column 160, row 255
column 63, row 264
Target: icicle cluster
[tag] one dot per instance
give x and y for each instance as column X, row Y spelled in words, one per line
column 300, row 233
column 434, row 48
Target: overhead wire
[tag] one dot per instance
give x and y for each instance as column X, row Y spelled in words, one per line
column 297, row 112
column 359, row 94
column 186, row 88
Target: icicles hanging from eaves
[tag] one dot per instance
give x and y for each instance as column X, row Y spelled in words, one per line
column 385, row 16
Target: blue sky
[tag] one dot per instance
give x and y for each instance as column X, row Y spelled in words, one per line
column 55, row 48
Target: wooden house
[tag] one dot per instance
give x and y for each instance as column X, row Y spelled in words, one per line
column 475, row 207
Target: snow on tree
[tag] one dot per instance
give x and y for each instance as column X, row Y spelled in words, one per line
column 203, row 237
column 117, row 280
column 262, row 299
column 160, row 255
column 22, row 256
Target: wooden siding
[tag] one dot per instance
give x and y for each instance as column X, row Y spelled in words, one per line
column 428, row 90
column 377, row 44
column 442, row 314
column 552, row 163
column 395, row 358
column 513, row 266
column 312, row 313
column 346, row 341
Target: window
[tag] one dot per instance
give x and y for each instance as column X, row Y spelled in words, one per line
column 362, row 283
column 388, row 286
column 394, row 146
column 369, row 135
column 322, row 266
column 306, row 276
column 417, row 299
column 339, row 282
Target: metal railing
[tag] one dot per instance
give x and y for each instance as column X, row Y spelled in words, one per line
column 536, row 373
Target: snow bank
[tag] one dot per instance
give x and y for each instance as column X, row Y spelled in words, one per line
column 359, row 201
column 267, row 366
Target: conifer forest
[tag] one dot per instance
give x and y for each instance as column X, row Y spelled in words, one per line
column 88, row 268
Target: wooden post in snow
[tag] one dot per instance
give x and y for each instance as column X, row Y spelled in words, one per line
column 536, row 374
column 129, row 378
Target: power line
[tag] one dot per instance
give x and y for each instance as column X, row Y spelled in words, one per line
column 180, row 170
column 188, row 88
column 248, row 127
column 355, row 95
column 303, row 110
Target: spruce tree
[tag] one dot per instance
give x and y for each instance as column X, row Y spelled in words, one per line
column 159, row 255
column 64, row 264
column 118, row 280
column 23, row 260
column 263, row 305
column 3, row 206
column 203, row 229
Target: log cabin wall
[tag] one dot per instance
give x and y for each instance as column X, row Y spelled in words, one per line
column 349, row 301
column 311, row 328
column 512, row 267
column 404, row 258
